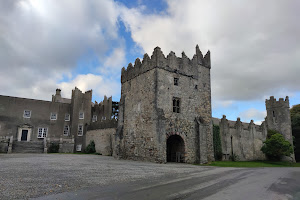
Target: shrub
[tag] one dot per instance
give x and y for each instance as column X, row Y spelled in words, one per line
column 90, row 148
column 276, row 146
column 234, row 157
column 217, row 142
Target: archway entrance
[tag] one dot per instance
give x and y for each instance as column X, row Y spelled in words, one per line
column 175, row 149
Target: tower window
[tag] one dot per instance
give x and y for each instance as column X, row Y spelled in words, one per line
column 176, row 105
column 176, row 81
column 273, row 113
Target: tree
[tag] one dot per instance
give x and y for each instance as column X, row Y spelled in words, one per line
column 276, row 146
column 295, row 117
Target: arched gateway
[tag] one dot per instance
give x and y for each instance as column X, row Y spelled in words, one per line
column 175, row 149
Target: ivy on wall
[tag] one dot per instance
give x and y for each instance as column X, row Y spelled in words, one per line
column 217, row 142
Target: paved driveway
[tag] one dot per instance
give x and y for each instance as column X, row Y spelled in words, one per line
column 70, row 176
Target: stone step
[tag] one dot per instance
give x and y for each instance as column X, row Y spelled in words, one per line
column 28, row 147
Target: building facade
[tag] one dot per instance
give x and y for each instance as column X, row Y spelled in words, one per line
column 31, row 125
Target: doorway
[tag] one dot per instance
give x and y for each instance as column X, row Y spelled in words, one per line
column 24, row 135
column 175, row 149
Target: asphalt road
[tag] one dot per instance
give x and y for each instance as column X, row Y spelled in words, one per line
column 54, row 176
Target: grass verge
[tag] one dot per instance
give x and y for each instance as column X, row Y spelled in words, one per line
column 251, row 164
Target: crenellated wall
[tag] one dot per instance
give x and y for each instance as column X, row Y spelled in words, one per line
column 242, row 139
column 246, row 139
column 172, row 63
column 103, row 110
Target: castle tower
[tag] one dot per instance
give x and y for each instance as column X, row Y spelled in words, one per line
column 279, row 118
column 165, row 109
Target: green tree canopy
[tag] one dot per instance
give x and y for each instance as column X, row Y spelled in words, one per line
column 295, row 118
column 276, row 146
column 295, row 115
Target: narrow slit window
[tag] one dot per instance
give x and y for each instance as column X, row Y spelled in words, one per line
column 176, row 81
column 176, row 105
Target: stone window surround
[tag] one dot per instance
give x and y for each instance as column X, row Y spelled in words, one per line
column 81, row 115
column 43, row 131
column 27, row 114
column 80, row 130
column 67, row 117
column 66, row 130
column 53, row 116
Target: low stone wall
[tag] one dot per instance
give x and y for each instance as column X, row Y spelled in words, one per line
column 4, row 145
column 65, row 145
column 103, row 139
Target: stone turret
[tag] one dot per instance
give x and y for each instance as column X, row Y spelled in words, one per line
column 279, row 118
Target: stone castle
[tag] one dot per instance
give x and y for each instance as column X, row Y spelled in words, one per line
column 164, row 115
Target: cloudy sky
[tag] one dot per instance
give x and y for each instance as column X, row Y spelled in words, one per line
column 255, row 51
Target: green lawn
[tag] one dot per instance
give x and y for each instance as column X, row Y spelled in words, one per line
column 252, row 164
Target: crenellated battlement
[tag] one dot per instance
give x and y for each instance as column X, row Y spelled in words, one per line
column 182, row 65
column 239, row 124
column 273, row 103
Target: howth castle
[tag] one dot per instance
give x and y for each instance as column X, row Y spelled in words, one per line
column 164, row 115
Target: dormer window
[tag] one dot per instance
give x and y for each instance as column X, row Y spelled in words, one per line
column 176, row 81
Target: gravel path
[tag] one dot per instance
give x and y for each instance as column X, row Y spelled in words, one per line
column 23, row 176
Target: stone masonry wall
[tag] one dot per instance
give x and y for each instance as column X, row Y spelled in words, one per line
column 103, row 139
column 247, row 139
column 139, row 140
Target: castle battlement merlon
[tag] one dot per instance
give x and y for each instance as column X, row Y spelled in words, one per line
column 183, row 64
column 272, row 102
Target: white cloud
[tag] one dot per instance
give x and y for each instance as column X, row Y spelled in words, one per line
column 254, row 44
column 253, row 113
column 101, row 86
